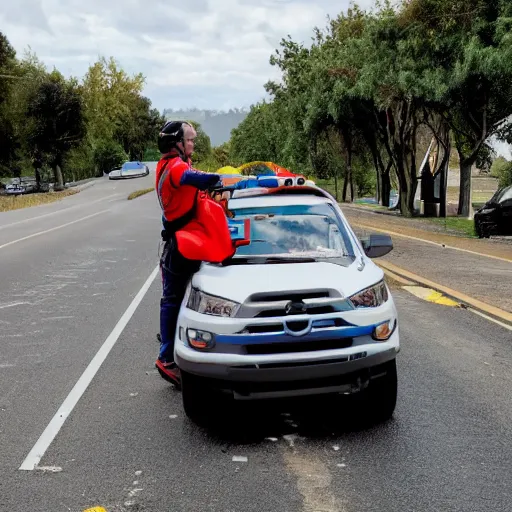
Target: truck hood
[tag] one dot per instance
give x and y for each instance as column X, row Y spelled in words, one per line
column 237, row 282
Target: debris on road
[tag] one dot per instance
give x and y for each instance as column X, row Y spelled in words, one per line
column 48, row 469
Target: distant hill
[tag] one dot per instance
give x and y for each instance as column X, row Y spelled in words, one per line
column 217, row 125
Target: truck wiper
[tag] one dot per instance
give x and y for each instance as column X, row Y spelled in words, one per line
column 283, row 259
column 262, row 260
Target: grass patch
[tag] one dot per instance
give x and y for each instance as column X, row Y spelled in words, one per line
column 478, row 196
column 463, row 226
column 8, row 203
column 328, row 185
column 139, row 193
column 371, row 206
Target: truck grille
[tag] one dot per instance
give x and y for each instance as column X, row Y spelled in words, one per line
column 282, row 304
column 291, row 347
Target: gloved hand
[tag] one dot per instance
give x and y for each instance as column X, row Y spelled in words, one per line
column 217, row 186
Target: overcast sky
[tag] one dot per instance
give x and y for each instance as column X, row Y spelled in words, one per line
column 204, row 53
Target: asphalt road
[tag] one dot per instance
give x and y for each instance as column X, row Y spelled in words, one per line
column 127, row 444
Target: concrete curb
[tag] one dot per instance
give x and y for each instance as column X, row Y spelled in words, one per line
column 469, row 302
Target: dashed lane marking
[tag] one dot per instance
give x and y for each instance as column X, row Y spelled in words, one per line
column 39, row 233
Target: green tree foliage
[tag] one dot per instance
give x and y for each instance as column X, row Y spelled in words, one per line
column 70, row 125
column 142, row 124
column 109, row 94
column 8, row 143
column 203, row 145
column 56, row 113
column 109, row 155
column 364, row 101
column 222, row 154
column 502, row 169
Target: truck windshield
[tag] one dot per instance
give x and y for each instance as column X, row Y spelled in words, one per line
column 295, row 233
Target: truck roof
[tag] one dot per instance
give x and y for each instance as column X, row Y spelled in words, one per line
column 277, row 200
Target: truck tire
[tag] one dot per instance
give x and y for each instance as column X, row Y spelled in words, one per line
column 381, row 395
column 197, row 400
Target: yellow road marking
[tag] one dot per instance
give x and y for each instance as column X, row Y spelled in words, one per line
column 96, row 509
column 431, row 296
column 439, row 298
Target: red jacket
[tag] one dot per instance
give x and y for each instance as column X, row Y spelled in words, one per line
column 198, row 222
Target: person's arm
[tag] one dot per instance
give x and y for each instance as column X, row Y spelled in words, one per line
column 199, row 179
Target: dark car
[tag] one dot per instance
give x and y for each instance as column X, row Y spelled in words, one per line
column 495, row 216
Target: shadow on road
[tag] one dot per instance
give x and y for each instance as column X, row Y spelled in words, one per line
column 311, row 418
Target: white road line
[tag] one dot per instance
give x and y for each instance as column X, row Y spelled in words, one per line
column 39, row 233
column 490, row 318
column 47, row 437
column 67, row 209
column 444, row 246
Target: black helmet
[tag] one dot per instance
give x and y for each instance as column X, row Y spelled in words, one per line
column 170, row 135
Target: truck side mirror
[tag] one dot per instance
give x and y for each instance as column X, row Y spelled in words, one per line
column 377, row 245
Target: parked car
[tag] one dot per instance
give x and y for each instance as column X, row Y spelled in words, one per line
column 301, row 310
column 23, row 185
column 495, row 217
column 129, row 170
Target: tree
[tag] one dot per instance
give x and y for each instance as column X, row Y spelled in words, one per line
column 108, row 94
column 470, row 46
column 28, row 75
column 140, row 128
column 56, row 112
column 203, row 145
column 502, row 169
column 222, row 154
column 256, row 138
column 379, row 87
column 109, row 155
column 8, row 143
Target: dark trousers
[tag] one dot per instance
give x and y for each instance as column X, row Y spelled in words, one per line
column 176, row 273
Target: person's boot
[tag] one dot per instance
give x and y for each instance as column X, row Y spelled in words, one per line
column 170, row 372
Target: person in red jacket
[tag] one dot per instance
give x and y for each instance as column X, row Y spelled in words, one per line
column 178, row 187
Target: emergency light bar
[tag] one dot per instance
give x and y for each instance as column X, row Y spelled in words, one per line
column 282, row 190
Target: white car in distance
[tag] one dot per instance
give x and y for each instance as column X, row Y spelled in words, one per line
column 302, row 310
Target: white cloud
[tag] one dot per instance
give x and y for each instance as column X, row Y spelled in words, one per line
column 204, row 53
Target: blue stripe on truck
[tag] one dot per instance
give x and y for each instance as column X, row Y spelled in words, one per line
column 282, row 337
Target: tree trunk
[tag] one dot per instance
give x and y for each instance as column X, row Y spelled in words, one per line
column 349, row 180
column 336, row 185
column 38, row 179
column 59, row 181
column 444, row 176
column 345, row 187
column 407, row 191
column 378, row 194
column 465, row 203
column 385, row 188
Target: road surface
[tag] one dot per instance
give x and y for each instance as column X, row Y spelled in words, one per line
column 127, row 446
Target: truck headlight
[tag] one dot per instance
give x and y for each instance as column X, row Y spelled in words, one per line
column 211, row 305
column 371, row 297
column 383, row 331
